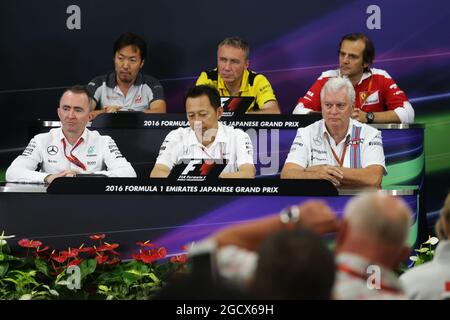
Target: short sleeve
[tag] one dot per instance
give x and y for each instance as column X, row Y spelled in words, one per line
column 168, row 152
column 299, row 153
column 244, row 148
column 263, row 90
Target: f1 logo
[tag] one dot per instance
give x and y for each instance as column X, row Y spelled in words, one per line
column 191, row 166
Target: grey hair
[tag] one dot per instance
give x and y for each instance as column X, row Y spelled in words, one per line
column 333, row 85
column 238, row 43
column 367, row 213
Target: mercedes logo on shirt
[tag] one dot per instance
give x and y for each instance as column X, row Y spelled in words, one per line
column 52, row 150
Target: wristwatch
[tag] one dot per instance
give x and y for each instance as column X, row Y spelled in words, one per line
column 370, row 117
column 290, row 216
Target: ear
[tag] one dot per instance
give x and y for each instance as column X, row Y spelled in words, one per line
column 365, row 65
column 142, row 64
column 247, row 63
column 58, row 110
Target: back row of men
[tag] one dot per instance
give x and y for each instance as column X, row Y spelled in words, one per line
column 318, row 151
column 378, row 98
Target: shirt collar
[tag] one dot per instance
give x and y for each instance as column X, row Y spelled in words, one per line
column 83, row 135
column 220, row 137
column 242, row 88
column 360, row 264
column 349, row 130
column 366, row 74
column 112, row 83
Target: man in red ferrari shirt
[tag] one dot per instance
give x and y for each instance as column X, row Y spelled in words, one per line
column 378, row 98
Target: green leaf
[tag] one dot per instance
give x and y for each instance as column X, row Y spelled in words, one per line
column 3, row 269
column 103, row 288
column 422, row 250
column 41, row 266
column 154, row 277
column 54, row 292
column 87, row 267
column 129, row 278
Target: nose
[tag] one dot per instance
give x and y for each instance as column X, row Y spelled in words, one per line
column 71, row 113
column 227, row 65
column 345, row 59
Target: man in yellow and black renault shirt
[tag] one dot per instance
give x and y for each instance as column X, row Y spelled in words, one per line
column 232, row 77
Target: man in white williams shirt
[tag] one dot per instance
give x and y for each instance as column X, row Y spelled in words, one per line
column 337, row 148
column 71, row 149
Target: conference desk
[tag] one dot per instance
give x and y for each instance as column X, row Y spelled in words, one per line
column 167, row 213
column 139, row 137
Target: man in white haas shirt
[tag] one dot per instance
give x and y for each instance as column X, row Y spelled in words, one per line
column 206, row 138
column 71, row 149
column 337, row 148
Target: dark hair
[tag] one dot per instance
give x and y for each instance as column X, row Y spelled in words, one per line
column 294, row 265
column 369, row 49
column 237, row 43
column 131, row 39
column 210, row 92
column 80, row 89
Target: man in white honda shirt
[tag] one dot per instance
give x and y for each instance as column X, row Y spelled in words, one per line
column 71, row 149
column 206, row 138
column 337, row 148
column 378, row 98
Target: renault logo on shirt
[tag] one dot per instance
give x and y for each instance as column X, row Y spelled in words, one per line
column 52, row 150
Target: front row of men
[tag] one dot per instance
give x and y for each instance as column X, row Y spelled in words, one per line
column 336, row 148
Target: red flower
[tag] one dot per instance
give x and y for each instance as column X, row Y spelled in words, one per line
column 148, row 257
column 179, row 259
column 97, row 236
column 75, row 262
column 113, row 261
column 71, row 253
column 108, row 247
column 29, row 243
column 89, row 250
column 145, row 244
column 136, row 256
column 101, row 259
column 61, row 257
column 162, row 252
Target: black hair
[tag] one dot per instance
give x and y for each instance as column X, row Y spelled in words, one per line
column 209, row 91
column 369, row 49
column 131, row 39
column 80, row 89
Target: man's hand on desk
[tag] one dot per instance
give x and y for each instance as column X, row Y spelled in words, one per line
column 112, row 109
column 67, row 173
column 327, row 172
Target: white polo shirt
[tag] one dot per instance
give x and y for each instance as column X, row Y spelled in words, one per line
column 98, row 154
column 311, row 147
column 229, row 143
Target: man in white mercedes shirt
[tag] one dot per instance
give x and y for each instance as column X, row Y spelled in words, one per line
column 206, row 138
column 337, row 148
column 71, row 149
